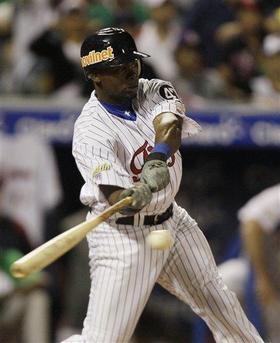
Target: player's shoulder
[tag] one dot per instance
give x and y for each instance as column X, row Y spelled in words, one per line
column 265, row 197
column 90, row 107
column 157, row 87
column 91, row 125
column 153, row 85
column 270, row 193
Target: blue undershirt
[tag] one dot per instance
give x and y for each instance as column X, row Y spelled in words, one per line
column 122, row 111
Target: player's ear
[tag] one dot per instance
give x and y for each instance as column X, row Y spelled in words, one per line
column 94, row 77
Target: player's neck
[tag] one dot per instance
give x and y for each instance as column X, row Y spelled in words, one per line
column 119, row 102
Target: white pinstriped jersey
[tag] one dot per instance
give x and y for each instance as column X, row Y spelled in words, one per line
column 111, row 150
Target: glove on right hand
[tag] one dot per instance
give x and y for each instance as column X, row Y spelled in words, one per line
column 155, row 174
column 141, row 195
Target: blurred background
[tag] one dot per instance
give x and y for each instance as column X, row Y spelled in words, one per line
column 223, row 56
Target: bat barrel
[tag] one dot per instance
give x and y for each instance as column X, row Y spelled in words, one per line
column 17, row 271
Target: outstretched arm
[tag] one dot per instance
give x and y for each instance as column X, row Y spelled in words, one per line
column 168, row 129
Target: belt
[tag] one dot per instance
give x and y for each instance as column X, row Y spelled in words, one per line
column 148, row 220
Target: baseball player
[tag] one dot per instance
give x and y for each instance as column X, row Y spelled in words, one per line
column 126, row 142
column 259, row 221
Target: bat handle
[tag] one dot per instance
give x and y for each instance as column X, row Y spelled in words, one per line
column 121, row 204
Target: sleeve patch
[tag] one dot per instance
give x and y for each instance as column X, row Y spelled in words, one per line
column 167, row 92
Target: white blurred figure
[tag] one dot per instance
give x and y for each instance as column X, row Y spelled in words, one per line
column 31, row 183
column 159, row 37
column 260, row 223
column 266, row 88
column 30, row 19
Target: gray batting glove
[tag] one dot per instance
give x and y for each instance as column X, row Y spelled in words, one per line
column 155, row 174
column 141, row 195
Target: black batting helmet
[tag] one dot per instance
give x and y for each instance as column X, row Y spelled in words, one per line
column 109, row 47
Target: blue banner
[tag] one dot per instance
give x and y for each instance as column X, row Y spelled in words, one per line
column 54, row 125
column 237, row 130
column 220, row 129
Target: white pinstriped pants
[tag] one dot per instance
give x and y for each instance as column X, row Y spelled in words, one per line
column 124, row 270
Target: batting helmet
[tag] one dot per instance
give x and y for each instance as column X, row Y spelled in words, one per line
column 109, row 47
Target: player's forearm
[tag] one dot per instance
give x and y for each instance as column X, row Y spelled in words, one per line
column 140, row 193
column 111, row 193
column 168, row 128
column 155, row 171
column 253, row 238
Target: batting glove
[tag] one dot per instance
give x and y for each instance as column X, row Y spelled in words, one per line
column 141, row 195
column 155, row 174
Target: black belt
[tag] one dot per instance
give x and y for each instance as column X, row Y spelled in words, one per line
column 148, row 220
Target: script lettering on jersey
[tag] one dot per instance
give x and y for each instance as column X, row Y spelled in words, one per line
column 140, row 155
column 100, row 168
column 97, row 56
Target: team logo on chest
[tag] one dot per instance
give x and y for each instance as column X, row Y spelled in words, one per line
column 139, row 158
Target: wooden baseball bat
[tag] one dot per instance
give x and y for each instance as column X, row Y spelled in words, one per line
column 48, row 252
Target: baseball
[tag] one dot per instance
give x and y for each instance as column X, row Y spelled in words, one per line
column 160, row 239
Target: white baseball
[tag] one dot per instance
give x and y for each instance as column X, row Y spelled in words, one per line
column 160, row 239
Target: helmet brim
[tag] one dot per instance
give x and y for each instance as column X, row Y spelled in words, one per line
column 140, row 54
column 119, row 61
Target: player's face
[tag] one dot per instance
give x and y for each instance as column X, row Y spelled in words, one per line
column 119, row 84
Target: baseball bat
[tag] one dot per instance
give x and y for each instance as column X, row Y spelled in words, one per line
column 50, row 251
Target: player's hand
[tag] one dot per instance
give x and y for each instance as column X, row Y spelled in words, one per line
column 155, row 174
column 141, row 195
